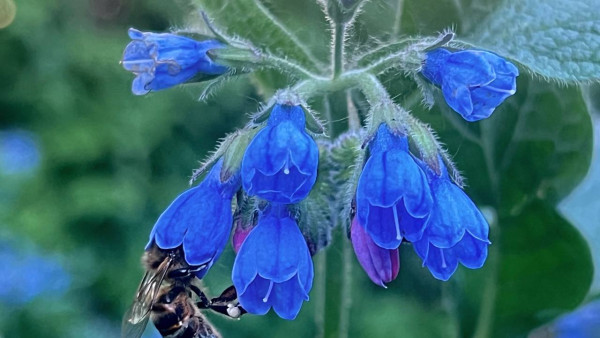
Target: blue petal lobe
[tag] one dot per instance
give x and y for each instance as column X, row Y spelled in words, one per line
column 441, row 263
column 252, row 297
column 287, row 298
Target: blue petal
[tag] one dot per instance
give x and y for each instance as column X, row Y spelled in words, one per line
column 173, row 223
column 390, row 176
column 471, row 252
column 500, row 65
column 458, row 97
column 441, row 262
column 140, row 84
column 275, row 249
column 434, row 65
column 287, row 298
column 280, row 163
column 206, row 239
column 453, row 213
column 251, row 298
column 469, row 67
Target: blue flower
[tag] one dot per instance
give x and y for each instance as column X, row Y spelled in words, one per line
column 392, row 198
column 280, row 164
column 456, row 231
column 164, row 60
column 381, row 265
column 474, row 82
column 200, row 219
column 273, row 267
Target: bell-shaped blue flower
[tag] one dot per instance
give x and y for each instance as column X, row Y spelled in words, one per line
column 164, row 60
column 393, row 198
column 280, row 163
column 200, row 219
column 474, row 82
column 381, row 265
column 273, row 267
column 456, row 231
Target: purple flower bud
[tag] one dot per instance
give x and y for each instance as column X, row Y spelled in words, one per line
column 474, row 82
column 240, row 232
column 381, row 265
column 164, row 60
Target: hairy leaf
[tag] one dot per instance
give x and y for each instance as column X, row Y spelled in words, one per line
column 556, row 39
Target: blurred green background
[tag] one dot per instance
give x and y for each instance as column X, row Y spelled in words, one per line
column 86, row 168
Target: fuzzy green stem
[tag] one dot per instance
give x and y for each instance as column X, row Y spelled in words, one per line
column 339, row 32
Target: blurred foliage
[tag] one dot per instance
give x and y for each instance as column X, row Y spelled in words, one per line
column 111, row 162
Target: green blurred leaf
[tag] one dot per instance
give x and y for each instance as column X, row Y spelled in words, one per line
column 555, row 39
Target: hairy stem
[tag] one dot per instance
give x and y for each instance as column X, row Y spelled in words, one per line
column 339, row 32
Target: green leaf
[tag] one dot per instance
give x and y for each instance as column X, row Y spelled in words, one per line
column 555, row 39
column 275, row 27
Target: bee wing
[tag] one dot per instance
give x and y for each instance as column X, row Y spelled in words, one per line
column 130, row 330
column 136, row 318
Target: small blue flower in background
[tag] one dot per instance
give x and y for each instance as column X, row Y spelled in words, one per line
column 19, row 152
column 474, row 82
column 381, row 265
column 393, row 198
column 583, row 322
column 200, row 219
column 27, row 274
column 456, row 231
column 273, row 267
column 164, row 60
column 280, row 164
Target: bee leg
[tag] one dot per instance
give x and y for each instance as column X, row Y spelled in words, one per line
column 227, row 296
column 204, row 303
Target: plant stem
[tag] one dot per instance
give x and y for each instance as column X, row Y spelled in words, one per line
column 346, row 292
column 320, row 293
column 339, row 32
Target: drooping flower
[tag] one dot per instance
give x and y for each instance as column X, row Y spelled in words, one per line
column 164, row 60
column 393, row 198
column 474, row 82
column 280, row 163
column 200, row 219
column 273, row 267
column 381, row 265
column 456, row 231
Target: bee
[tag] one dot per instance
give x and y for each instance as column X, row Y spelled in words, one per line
column 166, row 296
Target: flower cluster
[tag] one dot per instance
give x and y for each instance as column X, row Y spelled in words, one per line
column 401, row 198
